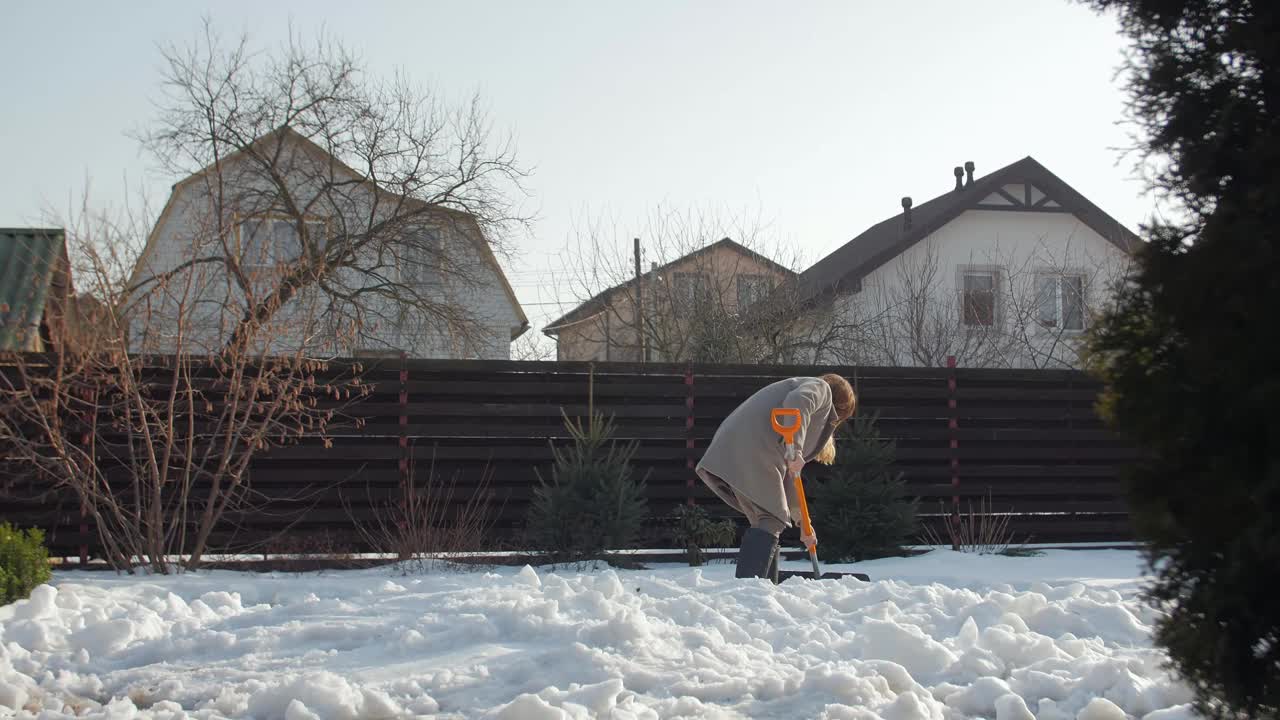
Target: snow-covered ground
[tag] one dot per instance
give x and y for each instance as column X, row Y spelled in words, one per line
column 943, row 635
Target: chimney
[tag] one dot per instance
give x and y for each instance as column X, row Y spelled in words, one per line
column 968, row 168
column 906, row 213
column 959, row 171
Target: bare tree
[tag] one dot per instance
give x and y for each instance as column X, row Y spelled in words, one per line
column 1052, row 299
column 359, row 207
column 700, row 299
column 1029, row 313
column 909, row 318
column 530, row 347
column 157, row 450
column 323, row 210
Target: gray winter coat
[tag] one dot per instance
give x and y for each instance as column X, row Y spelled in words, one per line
column 750, row 456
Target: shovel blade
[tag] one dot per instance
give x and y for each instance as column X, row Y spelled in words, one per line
column 784, row 575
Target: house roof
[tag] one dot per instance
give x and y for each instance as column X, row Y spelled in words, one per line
column 600, row 301
column 847, row 265
column 29, row 262
column 288, row 133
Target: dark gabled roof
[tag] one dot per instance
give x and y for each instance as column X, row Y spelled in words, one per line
column 600, row 301
column 30, row 261
column 844, row 268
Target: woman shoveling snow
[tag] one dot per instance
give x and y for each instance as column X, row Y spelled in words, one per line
column 746, row 464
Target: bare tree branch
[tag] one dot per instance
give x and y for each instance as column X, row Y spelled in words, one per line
column 323, row 191
column 698, row 303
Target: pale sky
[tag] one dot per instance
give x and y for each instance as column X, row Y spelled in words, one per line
column 818, row 115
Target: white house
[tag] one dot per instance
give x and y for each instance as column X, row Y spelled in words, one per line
column 1003, row 270
column 424, row 280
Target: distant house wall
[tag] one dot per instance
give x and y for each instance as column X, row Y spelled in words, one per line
column 587, row 340
column 609, row 333
column 191, row 228
column 1021, row 251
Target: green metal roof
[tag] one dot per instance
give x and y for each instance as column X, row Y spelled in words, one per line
column 29, row 259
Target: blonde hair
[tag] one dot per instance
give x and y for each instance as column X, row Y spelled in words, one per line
column 845, row 402
column 827, row 454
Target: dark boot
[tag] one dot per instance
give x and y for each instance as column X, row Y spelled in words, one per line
column 757, row 553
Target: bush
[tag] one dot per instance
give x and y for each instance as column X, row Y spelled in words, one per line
column 24, row 562
column 1187, row 350
column 859, row 508
column 695, row 530
column 984, row 532
column 593, row 503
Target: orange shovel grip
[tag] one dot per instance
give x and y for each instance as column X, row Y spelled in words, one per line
column 787, row 433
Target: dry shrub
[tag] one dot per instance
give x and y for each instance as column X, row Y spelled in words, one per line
column 304, row 551
column 427, row 528
column 983, row 532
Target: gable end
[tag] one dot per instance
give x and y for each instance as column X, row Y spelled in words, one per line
column 1020, row 197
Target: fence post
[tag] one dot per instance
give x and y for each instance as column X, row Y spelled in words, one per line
column 954, row 444
column 406, row 482
column 84, row 534
column 90, row 419
column 688, row 430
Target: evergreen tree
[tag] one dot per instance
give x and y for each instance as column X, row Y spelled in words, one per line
column 1190, row 350
column 593, row 502
column 860, row 506
column 24, row 562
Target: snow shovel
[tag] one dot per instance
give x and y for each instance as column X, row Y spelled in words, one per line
column 788, row 434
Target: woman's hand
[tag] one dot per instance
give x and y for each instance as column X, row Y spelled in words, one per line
column 795, row 465
column 809, row 540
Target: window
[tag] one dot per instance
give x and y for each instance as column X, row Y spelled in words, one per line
column 274, row 241
column 418, row 262
column 1060, row 301
column 979, row 298
column 693, row 287
column 752, row 289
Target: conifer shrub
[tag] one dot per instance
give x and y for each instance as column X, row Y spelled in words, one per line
column 859, row 505
column 593, row 501
column 24, row 562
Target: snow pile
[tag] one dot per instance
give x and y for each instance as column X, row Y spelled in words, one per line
column 941, row 636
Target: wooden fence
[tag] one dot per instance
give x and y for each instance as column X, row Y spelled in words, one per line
column 1031, row 439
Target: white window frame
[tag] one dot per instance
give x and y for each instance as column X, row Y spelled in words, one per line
column 997, row 302
column 680, row 294
column 404, row 278
column 274, row 257
column 764, row 280
column 1059, row 305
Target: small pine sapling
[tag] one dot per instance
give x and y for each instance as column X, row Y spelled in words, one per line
column 593, row 502
column 24, row 562
column 860, row 501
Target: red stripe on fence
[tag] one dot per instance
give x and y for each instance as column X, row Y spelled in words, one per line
column 688, row 429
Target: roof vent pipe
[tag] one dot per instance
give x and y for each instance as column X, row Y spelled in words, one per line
column 968, row 168
column 959, row 171
column 906, row 213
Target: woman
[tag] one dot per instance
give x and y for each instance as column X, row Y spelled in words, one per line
column 746, row 464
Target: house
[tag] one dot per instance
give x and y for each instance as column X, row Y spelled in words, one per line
column 684, row 303
column 35, row 289
column 1001, row 270
column 333, row 262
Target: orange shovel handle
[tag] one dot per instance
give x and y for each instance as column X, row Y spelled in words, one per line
column 788, row 434
column 804, row 509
